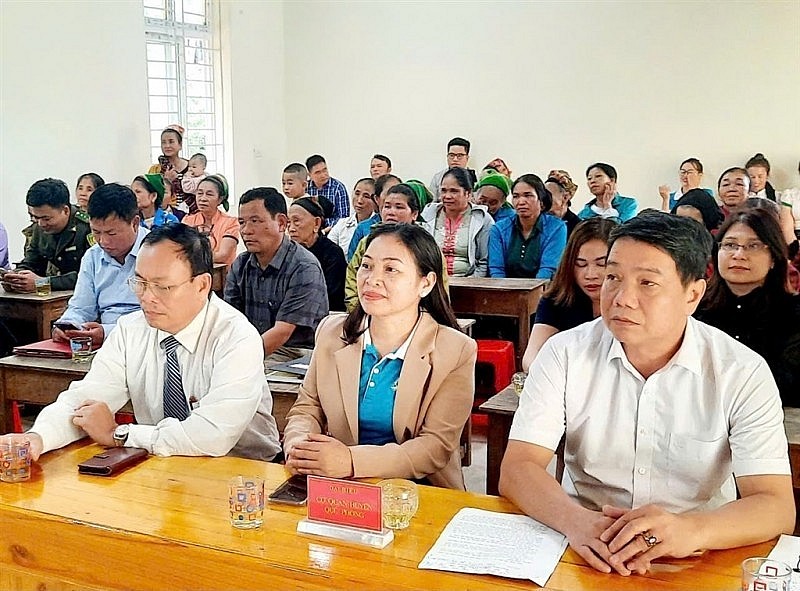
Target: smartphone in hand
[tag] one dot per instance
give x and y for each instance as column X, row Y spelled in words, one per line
column 292, row 492
column 65, row 326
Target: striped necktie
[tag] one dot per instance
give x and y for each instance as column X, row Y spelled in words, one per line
column 174, row 398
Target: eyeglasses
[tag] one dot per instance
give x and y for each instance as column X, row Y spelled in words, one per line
column 686, row 172
column 139, row 286
column 750, row 248
column 454, row 156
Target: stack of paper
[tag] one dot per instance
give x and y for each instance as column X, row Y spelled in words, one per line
column 501, row 544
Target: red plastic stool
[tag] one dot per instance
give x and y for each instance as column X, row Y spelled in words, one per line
column 16, row 420
column 500, row 355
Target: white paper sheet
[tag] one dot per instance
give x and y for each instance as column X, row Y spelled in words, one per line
column 788, row 550
column 489, row 543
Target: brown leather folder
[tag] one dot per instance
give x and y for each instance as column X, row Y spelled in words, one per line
column 112, row 461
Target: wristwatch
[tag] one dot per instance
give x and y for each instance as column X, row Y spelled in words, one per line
column 121, row 435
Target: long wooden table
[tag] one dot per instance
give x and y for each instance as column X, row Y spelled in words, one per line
column 41, row 310
column 484, row 296
column 164, row 525
column 40, row 381
column 502, row 406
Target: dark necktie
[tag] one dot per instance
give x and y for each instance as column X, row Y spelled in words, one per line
column 174, row 398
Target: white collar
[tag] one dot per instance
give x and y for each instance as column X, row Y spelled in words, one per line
column 189, row 334
column 401, row 351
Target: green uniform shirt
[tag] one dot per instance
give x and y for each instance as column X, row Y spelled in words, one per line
column 58, row 256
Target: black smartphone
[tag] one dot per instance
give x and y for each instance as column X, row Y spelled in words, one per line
column 292, row 492
column 66, row 326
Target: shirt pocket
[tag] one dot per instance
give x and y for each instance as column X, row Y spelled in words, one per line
column 697, row 469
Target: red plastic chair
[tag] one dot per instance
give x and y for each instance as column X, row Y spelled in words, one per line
column 500, row 355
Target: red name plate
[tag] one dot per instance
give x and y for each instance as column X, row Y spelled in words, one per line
column 343, row 502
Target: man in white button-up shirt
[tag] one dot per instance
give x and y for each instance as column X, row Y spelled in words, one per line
column 664, row 417
column 220, row 359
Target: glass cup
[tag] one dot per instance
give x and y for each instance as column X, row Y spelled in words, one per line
column 518, row 381
column 15, row 460
column 400, row 501
column 246, row 500
column 81, row 348
column 42, row 286
column 764, row 574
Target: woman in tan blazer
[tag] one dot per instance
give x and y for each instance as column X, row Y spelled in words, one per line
column 391, row 385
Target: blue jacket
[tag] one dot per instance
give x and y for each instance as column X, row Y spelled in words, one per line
column 625, row 206
column 552, row 240
column 362, row 229
column 505, row 211
column 161, row 218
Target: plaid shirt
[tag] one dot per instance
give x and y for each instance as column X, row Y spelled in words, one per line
column 335, row 191
column 291, row 289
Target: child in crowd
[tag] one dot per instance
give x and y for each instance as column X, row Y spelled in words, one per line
column 295, row 186
column 197, row 172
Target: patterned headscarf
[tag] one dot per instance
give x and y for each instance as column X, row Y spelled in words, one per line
column 561, row 177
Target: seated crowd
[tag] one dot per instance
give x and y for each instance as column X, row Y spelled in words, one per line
column 662, row 351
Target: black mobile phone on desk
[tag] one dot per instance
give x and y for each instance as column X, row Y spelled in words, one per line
column 292, row 492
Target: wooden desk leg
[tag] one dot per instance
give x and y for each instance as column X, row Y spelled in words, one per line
column 5, row 407
column 524, row 324
column 496, row 443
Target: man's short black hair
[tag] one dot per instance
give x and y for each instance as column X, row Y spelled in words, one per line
column 688, row 243
column 52, row 192
column 195, row 247
column 312, row 161
column 113, row 199
column 274, row 202
column 383, row 158
column 459, row 141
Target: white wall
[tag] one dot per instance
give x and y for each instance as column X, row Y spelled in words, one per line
column 72, row 97
column 252, row 49
column 641, row 85
column 562, row 84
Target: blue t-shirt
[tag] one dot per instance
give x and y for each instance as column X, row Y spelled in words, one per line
column 377, row 388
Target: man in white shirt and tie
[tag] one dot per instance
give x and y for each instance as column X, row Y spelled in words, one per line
column 664, row 417
column 191, row 365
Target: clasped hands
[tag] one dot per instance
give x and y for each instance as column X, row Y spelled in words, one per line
column 628, row 540
column 320, row 455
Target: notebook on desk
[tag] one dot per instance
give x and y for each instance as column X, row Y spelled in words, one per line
column 48, row 349
column 295, row 366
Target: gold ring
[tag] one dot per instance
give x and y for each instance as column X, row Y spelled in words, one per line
column 649, row 539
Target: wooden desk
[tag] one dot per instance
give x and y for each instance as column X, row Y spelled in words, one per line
column 42, row 310
column 500, row 408
column 484, row 296
column 164, row 525
column 218, row 275
column 34, row 380
column 40, row 381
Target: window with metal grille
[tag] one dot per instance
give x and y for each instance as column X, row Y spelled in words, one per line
column 183, row 81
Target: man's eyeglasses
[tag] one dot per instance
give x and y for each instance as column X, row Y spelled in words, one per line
column 139, row 286
column 751, row 247
column 454, row 156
